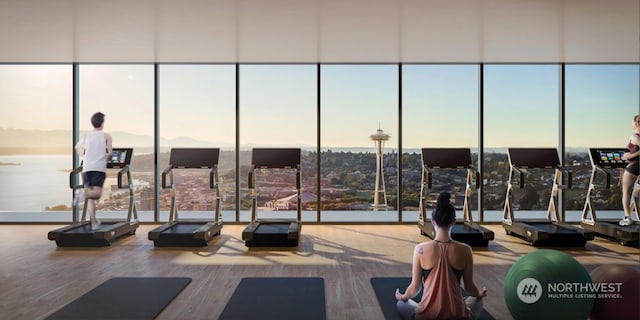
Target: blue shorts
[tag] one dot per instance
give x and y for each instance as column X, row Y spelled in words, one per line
column 93, row 178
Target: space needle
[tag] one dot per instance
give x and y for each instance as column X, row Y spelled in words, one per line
column 379, row 194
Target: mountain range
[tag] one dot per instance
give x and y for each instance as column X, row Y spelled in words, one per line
column 28, row 141
column 55, row 141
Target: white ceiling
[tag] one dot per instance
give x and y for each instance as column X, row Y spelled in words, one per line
column 327, row 31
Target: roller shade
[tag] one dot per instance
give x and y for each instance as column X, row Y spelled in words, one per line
column 325, row 31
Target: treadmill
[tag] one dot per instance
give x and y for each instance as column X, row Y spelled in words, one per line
column 541, row 232
column 604, row 160
column 189, row 232
column 452, row 158
column 273, row 232
column 80, row 234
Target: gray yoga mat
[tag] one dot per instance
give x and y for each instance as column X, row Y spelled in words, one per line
column 277, row 298
column 123, row 298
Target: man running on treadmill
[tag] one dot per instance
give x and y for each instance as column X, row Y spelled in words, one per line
column 95, row 149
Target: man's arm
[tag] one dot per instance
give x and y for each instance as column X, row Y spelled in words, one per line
column 80, row 147
column 107, row 138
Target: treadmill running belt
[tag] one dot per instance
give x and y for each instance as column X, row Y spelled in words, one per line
column 553, row 228
column 184, row 227
column 273, row 228
column 546, row 233
column 86, row 228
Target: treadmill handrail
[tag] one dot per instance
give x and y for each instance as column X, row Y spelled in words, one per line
column 125, row 170
column 466, row 208
column 429, row 176
column 72, row 175
column 522, row 172
column 133, row 211
column 589, row 209
column 213, row 178
column 564, row 171
column 252, row 184
column 477, row 175
column 607, row 174
column 167, row 170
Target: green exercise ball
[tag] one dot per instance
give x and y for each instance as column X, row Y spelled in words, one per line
column 548, row 284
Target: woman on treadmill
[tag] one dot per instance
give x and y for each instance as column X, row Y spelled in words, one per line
column 437, row 268
column 630, row 173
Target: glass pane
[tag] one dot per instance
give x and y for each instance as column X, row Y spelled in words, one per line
column 601, row 101
column 359, row 112
column 439, row 110
column 278, row 109
column 125, row 94
column 35, row 139
column 521, row 109
column 197, row 110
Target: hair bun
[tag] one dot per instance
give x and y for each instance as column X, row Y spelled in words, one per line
column 444, row 199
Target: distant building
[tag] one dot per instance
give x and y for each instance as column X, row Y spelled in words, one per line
column 146, row 200
column 290, row 202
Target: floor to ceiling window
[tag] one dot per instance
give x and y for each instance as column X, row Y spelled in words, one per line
column 35, row 139
column 278, row 109
column 521, row 109
column 601, row 101
column 439, row 110
column 279, row 105
column 359, row 139
column 125, row 94
column 197, row 110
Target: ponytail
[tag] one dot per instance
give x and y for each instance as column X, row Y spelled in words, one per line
column 444, row 213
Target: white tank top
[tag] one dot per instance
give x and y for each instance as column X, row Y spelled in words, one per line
column 95, row 152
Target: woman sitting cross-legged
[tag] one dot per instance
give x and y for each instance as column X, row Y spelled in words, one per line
column 438, row 267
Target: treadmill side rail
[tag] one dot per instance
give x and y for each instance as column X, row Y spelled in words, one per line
column 249, row 230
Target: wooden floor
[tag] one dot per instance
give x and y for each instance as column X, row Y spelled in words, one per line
column 37, row 278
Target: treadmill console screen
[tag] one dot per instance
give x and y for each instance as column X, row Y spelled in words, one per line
column 447, row 157
column 608, row 157
column 265, row 158
column 534, row 157
column 194, row 158
column 120, row 158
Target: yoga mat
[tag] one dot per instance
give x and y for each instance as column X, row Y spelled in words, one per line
column 277, row 298
column 124, row 298
column 385, row 289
